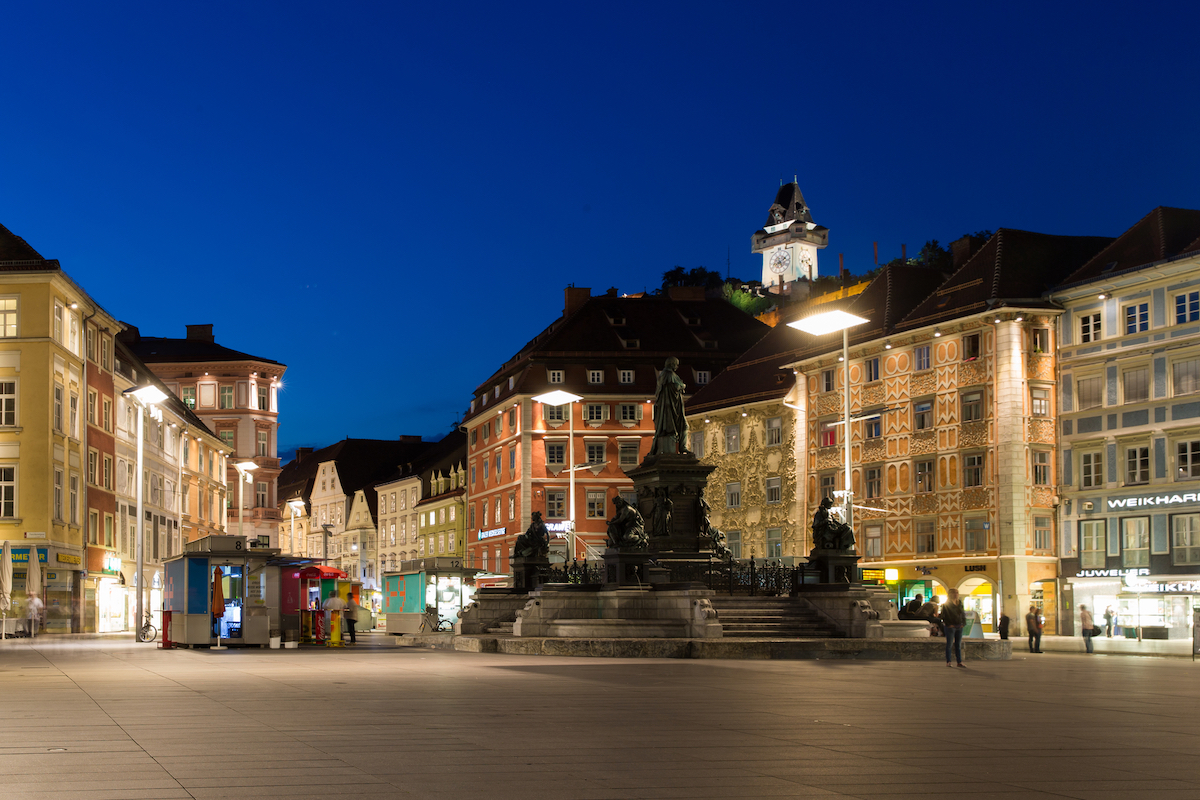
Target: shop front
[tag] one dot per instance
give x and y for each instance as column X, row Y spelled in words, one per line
column 976, row 584
column 440, row 582
column 1143, row 606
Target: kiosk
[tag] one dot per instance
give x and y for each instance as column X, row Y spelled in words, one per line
column 440, row 582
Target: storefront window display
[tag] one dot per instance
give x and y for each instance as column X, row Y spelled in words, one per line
column 978, row 596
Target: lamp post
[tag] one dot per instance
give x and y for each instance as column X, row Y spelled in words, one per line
column 244, row 468
column 297, row 508
column 558, row 397
column 818, row 325
column 146, row 397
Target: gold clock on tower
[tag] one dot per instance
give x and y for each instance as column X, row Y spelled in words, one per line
column 780, row 262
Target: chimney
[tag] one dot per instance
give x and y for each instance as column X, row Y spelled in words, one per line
column 876, row 253
column 575, row 298
column 962, row 249
column 200, row 333
column 408, row 437
column 904, row 253
column 301, row 452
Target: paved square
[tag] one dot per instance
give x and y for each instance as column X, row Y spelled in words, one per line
column 104, row 718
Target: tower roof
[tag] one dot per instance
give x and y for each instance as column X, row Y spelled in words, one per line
column 789, row 206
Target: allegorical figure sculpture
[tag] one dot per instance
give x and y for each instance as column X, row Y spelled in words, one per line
column 670, row 425
column 627, row 529
column 828, row 533
column 535, row 541
column 709, row 533
column 660, row 519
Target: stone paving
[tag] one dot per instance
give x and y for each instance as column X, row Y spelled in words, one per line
column 106, row 718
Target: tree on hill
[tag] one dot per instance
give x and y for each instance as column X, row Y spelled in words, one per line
column 697, row 276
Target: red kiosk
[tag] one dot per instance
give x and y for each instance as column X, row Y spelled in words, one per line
column 314, row 585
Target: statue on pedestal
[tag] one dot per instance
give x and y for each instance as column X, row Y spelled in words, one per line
column 534, row 542
column 828, row 533
column 627, row 530
column 670, row 425
column 660, row 519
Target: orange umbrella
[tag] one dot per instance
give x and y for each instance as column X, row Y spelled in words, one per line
column 218, row 594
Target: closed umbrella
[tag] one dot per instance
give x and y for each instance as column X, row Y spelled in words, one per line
column 33, row 589
column 218, row 603
column 5, row 585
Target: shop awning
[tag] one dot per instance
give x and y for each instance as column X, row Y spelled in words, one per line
column 322, row 571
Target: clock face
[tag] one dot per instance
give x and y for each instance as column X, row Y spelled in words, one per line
column 806, row 261
column 780, row 262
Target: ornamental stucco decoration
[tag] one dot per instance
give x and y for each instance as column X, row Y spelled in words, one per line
column 973, row 434
column 1041, row 431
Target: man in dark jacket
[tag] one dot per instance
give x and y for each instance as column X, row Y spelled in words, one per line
column 1033, row 624
column 953, row 617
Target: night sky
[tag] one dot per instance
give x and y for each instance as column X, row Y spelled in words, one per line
column 390, row 197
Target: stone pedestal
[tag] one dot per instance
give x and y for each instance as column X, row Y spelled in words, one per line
column 626, row 569
column 838, row 569
column 527, row 571
column 669, row 490
column 625, row 613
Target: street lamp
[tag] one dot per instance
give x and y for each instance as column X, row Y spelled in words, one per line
column 244, row 468
column 297, row 509
column 146, row 397
column 819, row 325
column 558, row 397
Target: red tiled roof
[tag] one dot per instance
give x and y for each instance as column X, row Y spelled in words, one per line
column 1163, row 233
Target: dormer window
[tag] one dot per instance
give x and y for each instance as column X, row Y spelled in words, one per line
column 595, row 376
column 631, row 344
column 554, row 375
column 626, row 376
column 615, row 318
column 497, row 390
column 702, row 376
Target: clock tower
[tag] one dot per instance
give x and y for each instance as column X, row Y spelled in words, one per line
column 790, row 239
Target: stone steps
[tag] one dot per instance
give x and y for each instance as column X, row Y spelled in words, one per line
column 501, row 629
column 770, row 617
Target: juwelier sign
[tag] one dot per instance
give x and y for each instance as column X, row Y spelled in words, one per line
column 1111, row 573
column 1160, row 500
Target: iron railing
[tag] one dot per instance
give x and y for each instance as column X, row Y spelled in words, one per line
column 748, row 576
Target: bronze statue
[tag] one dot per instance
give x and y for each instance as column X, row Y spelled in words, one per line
column 829, row 534
column 670, row 425
column 660, row 520
column 627, row 530
column 534, row 542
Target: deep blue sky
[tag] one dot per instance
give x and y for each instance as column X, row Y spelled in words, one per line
column 390, row 197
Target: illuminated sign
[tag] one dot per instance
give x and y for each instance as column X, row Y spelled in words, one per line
column 1160, row 500
column 1166, row 587
column 65, row 558
column 112, row 564
column 975, row 568
column 1111, row 573
column 493, row 532
column 873, row 575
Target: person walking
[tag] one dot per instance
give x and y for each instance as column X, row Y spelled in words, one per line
column 351, row 617
column 953, row 616
column 1088, row 624
column 1004, row 623
column 1033, row 624
column 1108, row 622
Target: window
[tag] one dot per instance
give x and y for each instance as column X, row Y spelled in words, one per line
column 73, row 499
column 486, row 464
column 921, row 359
column 8, row 403
column 1041, row 468
column 1187, row 376
column 512, row 508
column 8, row 318
column 226, row 436
column 923, row 415
column 827, row 381
column 973, row 470
column 58, row 408
column 498, row 460
column 1137, row 385
column 873, row 544
column 470, row 518
column 828, row 485
column 595, row 376
column 926, row 536
column 595, row 452
column 74, row 418
column 1091, row 544
column 1039, row 401
column 58, row 321
column 262, row 398
column 871, row 365
column 1187, row 307
column 873, row 482
column 774, row 542
column 262, row 443
column 595, row 504
column 106, row 415
column 482, row 506
column 512, row 464
column 226, row 397
column 924, row 470
column 734, row 540
column 91, row 343
column 873, row 426
column 8, row 491
column 975, row 535
column 556, row 505
column 553, row 413
column 1185, row 536
column 625, row 376
column 1137, row 318
column 554, row 375
column 1091, row 470
column 93, row 462
column 58, row 494
column 1041, row 340
column 629, row 412
column 733, row 495
column 1041, row 533
column 1089, row 328
column 774, row 490
column 703, row 376
column 827, row 434
column 498, row 517
column 1091, row 393
column 107, row 476
column 1187, row 461
column 595, row 412
column 188, row 395
column 971, row 348
column 1137, row 465
column 556, row 455
column 697, row 443
column 972, row 406
column 105, row 349
column 774, row 431
column 628, row 454
column 483, row 559
column 108, row 530
column 733, row 438
column 1135, row 542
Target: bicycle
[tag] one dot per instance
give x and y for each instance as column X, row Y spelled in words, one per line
column 431, row 622
column 148, row 632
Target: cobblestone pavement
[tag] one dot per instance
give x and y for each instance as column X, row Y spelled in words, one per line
column 105, row 718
